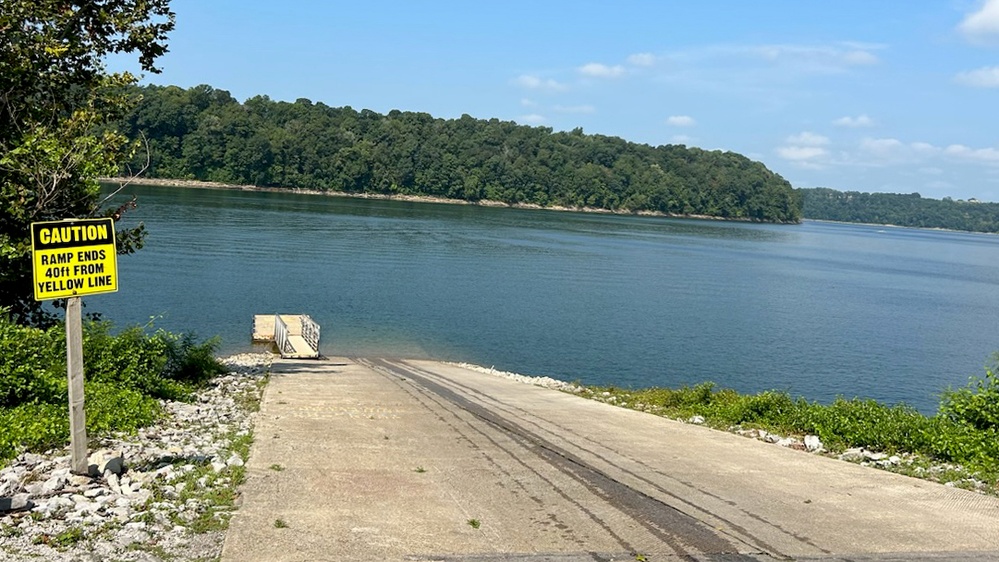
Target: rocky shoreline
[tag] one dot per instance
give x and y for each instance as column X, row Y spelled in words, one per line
column 412, row 198
column 165, row 493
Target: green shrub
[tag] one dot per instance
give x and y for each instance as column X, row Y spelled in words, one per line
column 125, row 374
column 131, row 359
column 977, row 404
column 189, row 362
column 112, row 408
column 32, row 364
column 772, row 408
column 32, row 427
column 867, row 423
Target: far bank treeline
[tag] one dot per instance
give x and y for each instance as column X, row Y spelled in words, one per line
column 204, row 134
column 900, row 210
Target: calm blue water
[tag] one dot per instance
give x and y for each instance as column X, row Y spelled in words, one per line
column 818, row 309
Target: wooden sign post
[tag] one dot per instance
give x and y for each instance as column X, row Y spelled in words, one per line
column 72, row 258
column 74, row 370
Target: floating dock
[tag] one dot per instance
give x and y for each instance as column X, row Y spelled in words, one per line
column 296, row 335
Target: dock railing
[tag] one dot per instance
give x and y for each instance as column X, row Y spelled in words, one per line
column 310, row 331
column 281, row 336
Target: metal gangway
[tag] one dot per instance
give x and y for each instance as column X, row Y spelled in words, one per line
column 295, row 335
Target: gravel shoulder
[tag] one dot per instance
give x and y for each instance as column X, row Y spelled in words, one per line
column 165, row 493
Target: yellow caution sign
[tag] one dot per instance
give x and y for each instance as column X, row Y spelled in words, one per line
column 73, row 258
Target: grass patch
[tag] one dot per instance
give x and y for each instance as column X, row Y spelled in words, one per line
column 280, row 524
column 62, row 540
column 474, row 523
column 250, row 399
column 154, row 549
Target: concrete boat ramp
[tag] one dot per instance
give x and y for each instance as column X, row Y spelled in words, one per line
column 373, row 459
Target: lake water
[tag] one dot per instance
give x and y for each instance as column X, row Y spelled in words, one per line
column 818, row 309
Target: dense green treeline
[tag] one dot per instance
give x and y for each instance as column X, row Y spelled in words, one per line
column 204, row 134
column 899, row 209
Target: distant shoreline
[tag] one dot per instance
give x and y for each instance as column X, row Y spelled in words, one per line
column 888, row 225
column 412, row 198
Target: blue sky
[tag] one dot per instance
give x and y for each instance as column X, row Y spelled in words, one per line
column 854, row 95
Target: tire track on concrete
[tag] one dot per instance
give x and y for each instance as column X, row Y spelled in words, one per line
column 424, row 395
column 686, row 535
column 525, row 416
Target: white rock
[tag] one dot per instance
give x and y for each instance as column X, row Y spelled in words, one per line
column 53, row 485
column 120, row 513
column 60, row 503
column 852, row 455
column 141, row 497
column 696, row 419
column 787, row 442
column 103, row 461
column 86, row 507
column 813, row 443
column 113, row 484
column 15, row 503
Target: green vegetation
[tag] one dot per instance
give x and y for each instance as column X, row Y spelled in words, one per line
column 213, row 492
column 964, row 432
column 898, row 209
column 280, row 524
column 125, row 375
column 56, row 102
column 65, row 539
column 474, row 523
column 204, row 134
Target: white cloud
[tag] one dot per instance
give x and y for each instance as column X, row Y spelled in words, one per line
column 821, row 58
column 930, row 171
column 598, row 70
column 987, row 77
column 575, row 109
column 854, row 122
column 860, row 58
column 806, row 149
column 984, row 155
column 680, row 139
column 528, row 102
column 983, row 24
column 532, row 82
column 681, row 121
column 532, row 118
column 924, row 148
column 806, row 138
column 801, row 153
column 881, row 146
column 642, row 59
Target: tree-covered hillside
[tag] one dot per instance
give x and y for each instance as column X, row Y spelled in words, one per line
column 204, row 134
column 903, row 210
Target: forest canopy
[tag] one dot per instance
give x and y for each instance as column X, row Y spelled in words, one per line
column 203, row 133
column 899, row 209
